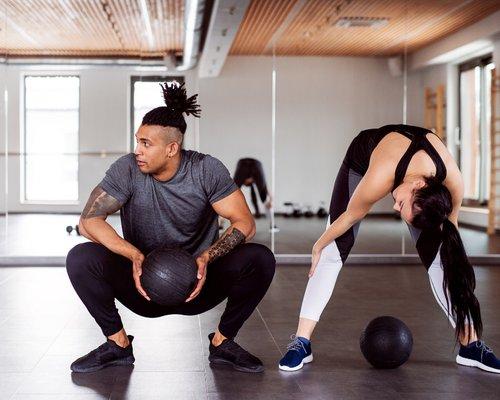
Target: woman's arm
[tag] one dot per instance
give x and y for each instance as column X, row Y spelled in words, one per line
column 375, row 185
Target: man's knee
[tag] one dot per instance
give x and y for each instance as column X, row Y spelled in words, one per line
column 262, row 260
column 80, row 258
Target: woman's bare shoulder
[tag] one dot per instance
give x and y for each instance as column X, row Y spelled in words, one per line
column 389, row 151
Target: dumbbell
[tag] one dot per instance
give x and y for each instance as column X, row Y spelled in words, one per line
column 288, row 209
column 308, row 213
column 70, row 229
column 297, row 211
column 322, row 213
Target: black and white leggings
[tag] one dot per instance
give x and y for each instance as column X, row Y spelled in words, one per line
column 320, row 286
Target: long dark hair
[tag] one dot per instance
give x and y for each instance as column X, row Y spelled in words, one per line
column 432, row 204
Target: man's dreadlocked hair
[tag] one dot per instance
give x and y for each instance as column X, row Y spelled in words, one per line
column 176, row 104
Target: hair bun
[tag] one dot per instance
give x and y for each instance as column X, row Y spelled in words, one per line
column 177, row 101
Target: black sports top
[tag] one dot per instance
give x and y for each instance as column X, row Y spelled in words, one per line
column 361, row 148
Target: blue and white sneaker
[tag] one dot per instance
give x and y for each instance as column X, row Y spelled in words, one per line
column 477, row 354
column 299, row 353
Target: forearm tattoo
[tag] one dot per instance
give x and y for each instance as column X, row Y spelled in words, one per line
column 225, row 244
column 100, row 204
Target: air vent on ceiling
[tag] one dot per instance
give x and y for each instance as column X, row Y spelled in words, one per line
column 362, row 22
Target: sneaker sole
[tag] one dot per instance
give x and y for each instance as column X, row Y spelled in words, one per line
column 473, row 363
column 123, row 361
column 220, row 362
column 306, row 360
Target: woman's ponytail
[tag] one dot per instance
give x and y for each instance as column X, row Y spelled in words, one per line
column 459, row 281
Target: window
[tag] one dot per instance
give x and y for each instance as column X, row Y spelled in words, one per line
column 474, row 150
column 146, row 95
column 50, row 143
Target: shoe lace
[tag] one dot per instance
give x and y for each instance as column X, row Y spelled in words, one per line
column 481, row 345
column 296, row 344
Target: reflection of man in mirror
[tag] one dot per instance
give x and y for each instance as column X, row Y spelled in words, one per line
column 249, row 172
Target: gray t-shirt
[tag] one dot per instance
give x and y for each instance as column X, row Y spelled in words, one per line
column 177, row 212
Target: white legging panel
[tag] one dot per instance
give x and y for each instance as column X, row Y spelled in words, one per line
column 320, row 286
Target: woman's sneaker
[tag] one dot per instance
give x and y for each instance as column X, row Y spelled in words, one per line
column 299, row 353
column 477, row 354
column 108, row 354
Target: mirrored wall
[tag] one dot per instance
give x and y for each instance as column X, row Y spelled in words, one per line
column 281, row 122
column 235, row 126
column 322, row 104
column 4, row 171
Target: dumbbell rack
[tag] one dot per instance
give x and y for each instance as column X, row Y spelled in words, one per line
column 494, row 200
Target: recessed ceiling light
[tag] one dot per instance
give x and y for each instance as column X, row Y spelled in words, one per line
column 361, row 22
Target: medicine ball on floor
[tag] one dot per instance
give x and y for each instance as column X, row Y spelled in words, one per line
column 386, row 342
column 169, row 275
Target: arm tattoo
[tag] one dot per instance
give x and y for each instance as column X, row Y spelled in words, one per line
column 100, row 204
column 225, row 244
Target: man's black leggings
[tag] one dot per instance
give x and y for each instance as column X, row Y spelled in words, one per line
column 100, row 276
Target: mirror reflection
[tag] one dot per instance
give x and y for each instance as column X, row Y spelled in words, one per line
column 235, row 127
column 4, row 151
column 311, row 147
column 293, row 99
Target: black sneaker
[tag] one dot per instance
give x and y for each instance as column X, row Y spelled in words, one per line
column 108, row 354
column 231, row 354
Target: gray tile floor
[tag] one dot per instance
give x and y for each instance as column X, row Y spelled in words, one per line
column 44, row 327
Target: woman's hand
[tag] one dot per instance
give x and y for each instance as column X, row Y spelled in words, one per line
column 316, row 255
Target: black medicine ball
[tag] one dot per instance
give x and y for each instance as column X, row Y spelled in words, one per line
column 169, row 275
column 386, row 342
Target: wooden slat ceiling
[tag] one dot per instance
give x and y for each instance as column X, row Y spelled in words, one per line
column 312, row 32
column 90, row 28
column 115, row 28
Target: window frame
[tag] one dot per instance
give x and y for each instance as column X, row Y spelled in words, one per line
column 481, row 62
column 22, row 144
column 148, row 78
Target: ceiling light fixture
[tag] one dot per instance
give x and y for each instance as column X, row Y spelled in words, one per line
column 190, row 28
column 147, row 23
column 361, row 22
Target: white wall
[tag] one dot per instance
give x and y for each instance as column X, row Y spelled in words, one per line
column 496, row 52
column 236, row 113
column 322, row 103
